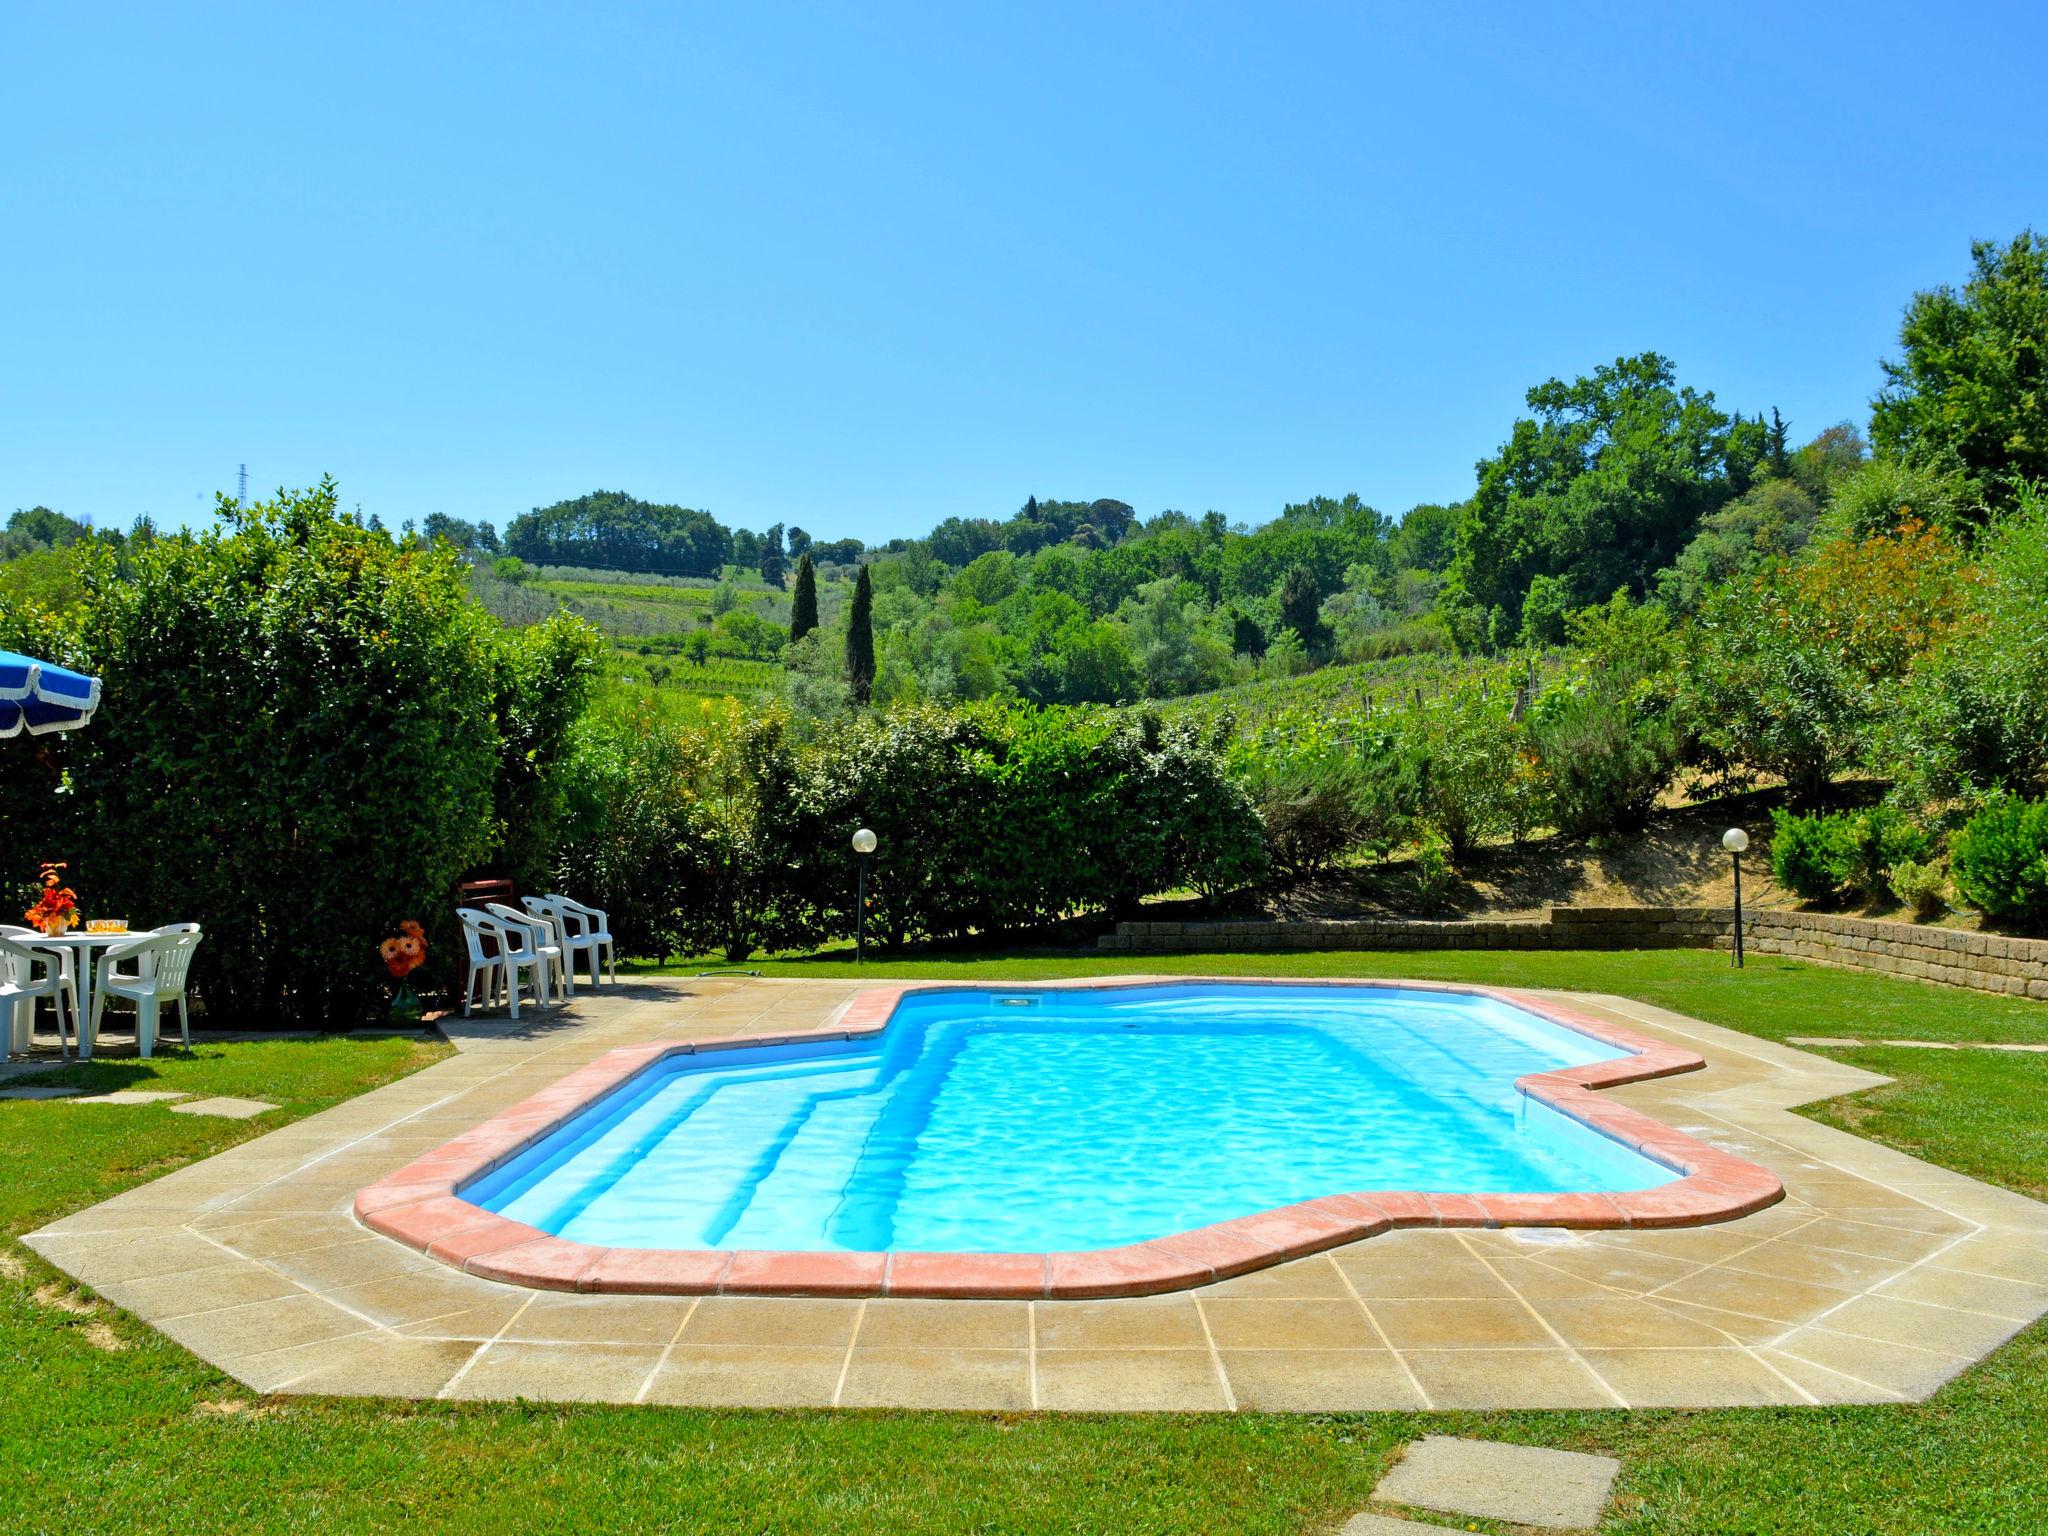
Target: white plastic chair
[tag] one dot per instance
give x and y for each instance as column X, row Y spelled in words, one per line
column 491, row 973
column 577, row 927
column 547, row 943
column 162, row 960
column 21, row 1035
column 19, row 989
column 486, row 960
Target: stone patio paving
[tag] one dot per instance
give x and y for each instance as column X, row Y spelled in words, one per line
column 1878, row 1278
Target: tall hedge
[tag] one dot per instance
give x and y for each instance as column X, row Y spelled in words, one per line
column 307, row 733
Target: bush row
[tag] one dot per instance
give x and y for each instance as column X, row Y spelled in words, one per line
column 729, row 829
column 1997, row 860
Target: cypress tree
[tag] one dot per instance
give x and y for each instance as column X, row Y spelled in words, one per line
column 1780, row 459
column 860, row 640
column 803, row 608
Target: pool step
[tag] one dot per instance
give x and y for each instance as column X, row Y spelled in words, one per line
column 685, row 1181
column 802, row 1189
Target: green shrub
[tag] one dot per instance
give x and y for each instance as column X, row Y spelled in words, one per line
column 1474, row 781
column 1607, row 759
column 910, row 775
column 632, row 835
column 1806, row 855
column 2000, row 861
column 1921, row 888
column 1434, row 874
column 1974, row 713
column 1308, row 807
column 1820, row 858
column 1866, row 844
column 1387, row 796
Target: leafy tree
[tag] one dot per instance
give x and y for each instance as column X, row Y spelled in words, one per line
column 959, row 540
column 544, row 675
column 799, row 543
column 860, row 639
column 988, row 579
column 1790, row 673
column 479, row 538
column 1301, row 609
column 612, row 529
column 1426, row 539
column 1970, row 388
column 1246, row 637
column 35, row 529
column 837, row 552
column 774, row 563
column 1544, row 609
column 803, row 607
column 744, row 632
column 1600, row 488
column 1974, row 711
column 1767, row 522
column 1839, row 451
column 1606, row 736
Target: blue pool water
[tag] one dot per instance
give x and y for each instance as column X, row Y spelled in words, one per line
column 1028, row 1121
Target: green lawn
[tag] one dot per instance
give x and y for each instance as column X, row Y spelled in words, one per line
column 104, row 1426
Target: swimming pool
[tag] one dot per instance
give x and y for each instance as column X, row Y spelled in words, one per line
column 1037, row 1120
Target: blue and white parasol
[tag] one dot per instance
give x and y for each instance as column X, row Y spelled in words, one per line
column 40, row 696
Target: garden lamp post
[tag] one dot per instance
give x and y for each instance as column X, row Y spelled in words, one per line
column 863, row 845
column 1735, row 840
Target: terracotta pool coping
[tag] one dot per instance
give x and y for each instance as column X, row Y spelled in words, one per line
column 418, row 1204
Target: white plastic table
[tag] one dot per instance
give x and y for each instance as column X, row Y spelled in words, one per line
column 80, row 946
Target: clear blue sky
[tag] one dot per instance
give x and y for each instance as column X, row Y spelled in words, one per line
column 863, row 267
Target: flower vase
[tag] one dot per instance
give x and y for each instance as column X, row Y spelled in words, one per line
column 405, row 1005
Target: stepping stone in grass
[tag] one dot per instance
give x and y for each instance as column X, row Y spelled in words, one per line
column 227, row 1107
column 39, row 1093
column 1921, row 1045
column 1521, row 1483
column 1836, row 1041
column 1385, row 1525
column 131, row 1096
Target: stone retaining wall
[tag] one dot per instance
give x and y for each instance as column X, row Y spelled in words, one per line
column 1951, row 957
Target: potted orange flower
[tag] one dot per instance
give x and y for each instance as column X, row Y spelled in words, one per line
column 56, row 907
column 402, row 956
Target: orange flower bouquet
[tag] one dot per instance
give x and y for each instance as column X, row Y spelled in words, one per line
column 56, row 908
column 402, row 956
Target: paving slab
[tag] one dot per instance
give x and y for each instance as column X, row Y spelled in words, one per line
column 1876, row 1279
column 226, row 1106
column 49, row 1092
column 1370, row 1524
column 132, row 1096
column 1839, row 1042
column 1525, row 1484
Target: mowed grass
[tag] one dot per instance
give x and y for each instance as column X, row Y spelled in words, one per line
column 106, row 1426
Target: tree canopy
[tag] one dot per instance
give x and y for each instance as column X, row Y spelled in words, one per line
column 1599, row 489
column 1970, row 387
